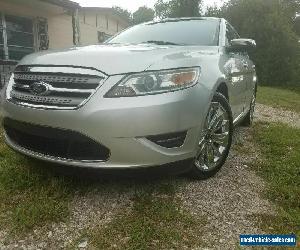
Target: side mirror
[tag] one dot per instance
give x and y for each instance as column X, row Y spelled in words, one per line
column 241, row 44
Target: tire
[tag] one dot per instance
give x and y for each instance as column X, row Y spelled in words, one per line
column 215, row 141
column 248, row 120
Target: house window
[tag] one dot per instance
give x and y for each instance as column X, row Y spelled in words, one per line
column 102, row 36
column 17, row 38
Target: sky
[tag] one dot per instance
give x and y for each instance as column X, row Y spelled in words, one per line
column 131, row 5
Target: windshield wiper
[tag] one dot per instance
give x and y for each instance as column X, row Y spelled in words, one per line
column 161, row 42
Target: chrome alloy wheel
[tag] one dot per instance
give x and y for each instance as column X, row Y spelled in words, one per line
column 215, row 138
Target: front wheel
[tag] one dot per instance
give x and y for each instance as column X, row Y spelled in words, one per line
column 215, row 140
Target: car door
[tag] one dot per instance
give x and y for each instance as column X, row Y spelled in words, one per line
column 250, row 79
column 236, row 69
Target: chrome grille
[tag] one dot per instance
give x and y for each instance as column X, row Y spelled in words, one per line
column 65, row 88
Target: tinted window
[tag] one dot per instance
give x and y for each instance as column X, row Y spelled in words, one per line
column 204, row 32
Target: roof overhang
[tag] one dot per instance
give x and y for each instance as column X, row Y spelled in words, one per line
column 63, row 3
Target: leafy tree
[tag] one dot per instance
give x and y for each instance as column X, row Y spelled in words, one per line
column 271, row 24
column 213, row 11
column 123, row 13
column 178, row 8
column 143, row 14
column 291, row 7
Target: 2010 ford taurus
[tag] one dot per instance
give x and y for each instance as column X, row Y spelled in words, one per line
column 162, row 93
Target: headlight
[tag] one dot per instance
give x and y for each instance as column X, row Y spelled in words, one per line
column 155, row 82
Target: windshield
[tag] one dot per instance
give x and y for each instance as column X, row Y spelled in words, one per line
column 202, row 32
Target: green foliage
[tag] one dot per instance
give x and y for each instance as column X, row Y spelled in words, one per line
column 291, row 7
column 143, row 14
column 271, row 24
column 213, row 11
column 123, row 13
column 178, row 8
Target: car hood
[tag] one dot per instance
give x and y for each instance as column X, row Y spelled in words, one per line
column 120, row 59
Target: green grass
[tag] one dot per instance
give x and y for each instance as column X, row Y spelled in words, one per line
column 280, row 168
column 32, row 195
column 155, row 221
column 288, row 99
column 29, row 196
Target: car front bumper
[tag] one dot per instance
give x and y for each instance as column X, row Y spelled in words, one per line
column 122, row 125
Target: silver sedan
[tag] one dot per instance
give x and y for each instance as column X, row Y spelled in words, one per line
column 162, row 93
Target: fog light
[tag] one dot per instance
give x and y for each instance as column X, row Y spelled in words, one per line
column 173, row 140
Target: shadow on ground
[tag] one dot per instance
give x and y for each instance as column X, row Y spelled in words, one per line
column 82, row 174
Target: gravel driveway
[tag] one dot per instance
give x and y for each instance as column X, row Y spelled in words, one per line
column 227, row 201
column 269, row 114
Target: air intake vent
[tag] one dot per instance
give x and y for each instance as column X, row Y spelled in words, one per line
column 53, row 87
column 55, row 142
column 173, row 140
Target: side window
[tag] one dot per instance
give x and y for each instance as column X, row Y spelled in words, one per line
column 230, row 34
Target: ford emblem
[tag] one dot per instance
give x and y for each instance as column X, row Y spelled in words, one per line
column 40, row 88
